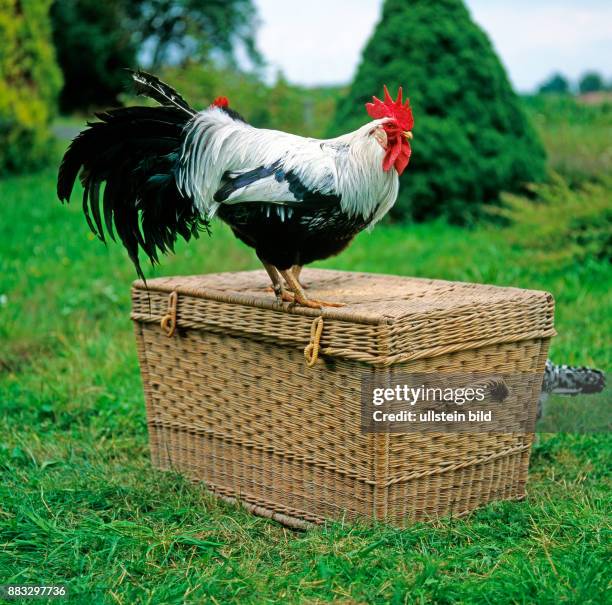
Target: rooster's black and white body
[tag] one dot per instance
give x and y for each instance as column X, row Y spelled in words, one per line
column 169, row 170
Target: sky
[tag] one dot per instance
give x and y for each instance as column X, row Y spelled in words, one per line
column 320, row 41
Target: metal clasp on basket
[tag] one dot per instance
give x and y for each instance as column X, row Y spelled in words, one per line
column 168, row 321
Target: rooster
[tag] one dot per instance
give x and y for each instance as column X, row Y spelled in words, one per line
column 168, row 170
column 568, row 380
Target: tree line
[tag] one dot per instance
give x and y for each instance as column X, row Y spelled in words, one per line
column 590, row 81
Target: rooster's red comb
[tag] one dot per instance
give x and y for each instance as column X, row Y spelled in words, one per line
column 220, row 102
column 389, row 108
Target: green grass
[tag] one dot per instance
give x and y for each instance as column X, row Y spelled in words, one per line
column 79, row 502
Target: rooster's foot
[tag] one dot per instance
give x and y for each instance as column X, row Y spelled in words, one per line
column 316, row 304
column 300, row 297
column 281, row 294
column 287, row 296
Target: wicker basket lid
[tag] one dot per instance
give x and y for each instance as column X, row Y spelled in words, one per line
column 387, row 319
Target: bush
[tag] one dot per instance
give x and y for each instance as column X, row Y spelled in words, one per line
column 562, row 226
column 471, row 137
column 29, row 84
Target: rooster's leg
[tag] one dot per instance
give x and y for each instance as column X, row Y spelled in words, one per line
column 296, row 270
column 277, row 284
column 300, row 297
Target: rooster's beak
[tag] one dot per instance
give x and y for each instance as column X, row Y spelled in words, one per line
column 408, row 134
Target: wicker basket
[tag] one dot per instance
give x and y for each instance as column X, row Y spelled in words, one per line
column 263, row 403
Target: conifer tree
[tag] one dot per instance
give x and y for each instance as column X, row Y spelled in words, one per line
column 472, row 139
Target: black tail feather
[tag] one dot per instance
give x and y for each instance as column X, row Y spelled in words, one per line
column 151, row 86
column 127, row 167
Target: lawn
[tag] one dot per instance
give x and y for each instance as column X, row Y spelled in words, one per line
column 80, row 503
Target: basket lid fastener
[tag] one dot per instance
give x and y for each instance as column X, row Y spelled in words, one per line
column 311, row 351
column 168, row 321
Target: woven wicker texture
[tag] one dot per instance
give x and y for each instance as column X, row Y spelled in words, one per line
column 231, row 399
